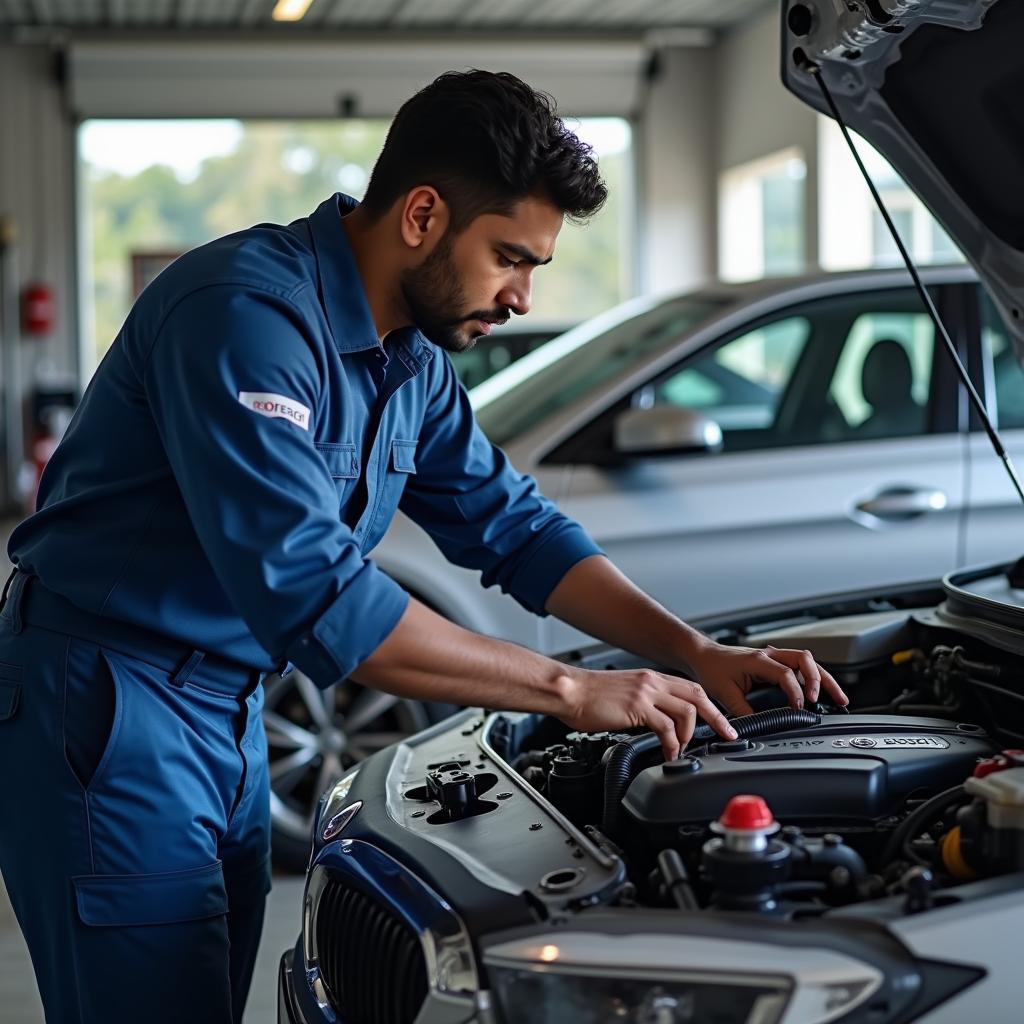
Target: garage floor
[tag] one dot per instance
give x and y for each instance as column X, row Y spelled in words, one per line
column 20, row 1001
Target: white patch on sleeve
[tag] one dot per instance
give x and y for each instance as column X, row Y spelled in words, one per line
column 267, row 404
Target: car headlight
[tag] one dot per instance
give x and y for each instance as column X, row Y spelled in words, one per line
column 332, row 816
column 547, row 997
column 671, row 978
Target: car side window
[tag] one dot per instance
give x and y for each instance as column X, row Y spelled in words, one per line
column 846, row 368
column 882, row 380
column 740, row 383
column 1007, row 375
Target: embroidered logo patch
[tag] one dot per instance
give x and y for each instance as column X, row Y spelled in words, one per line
column 267, row 404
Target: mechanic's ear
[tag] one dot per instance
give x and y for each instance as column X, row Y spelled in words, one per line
column 424, row 217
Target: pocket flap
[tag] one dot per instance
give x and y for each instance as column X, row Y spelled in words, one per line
column 10, row 693
column 341, row 459
column 164, row 898
column 403, row 456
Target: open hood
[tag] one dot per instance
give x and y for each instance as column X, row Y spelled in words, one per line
column 935, row 86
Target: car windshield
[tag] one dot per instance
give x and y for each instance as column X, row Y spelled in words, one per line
column 575, row 363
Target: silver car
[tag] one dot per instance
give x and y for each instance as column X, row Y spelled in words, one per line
column 737, row 445
column 724, row 446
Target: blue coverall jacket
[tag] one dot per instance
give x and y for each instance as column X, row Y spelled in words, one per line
column 247, row 440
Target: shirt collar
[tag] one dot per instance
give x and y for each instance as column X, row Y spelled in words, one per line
column 413, row 349
column 342, row 292
column 341, row 287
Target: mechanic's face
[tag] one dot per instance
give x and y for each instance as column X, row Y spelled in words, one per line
column 475, row 279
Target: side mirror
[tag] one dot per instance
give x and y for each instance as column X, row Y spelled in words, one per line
column 665, row 430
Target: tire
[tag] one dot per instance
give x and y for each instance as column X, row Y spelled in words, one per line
column 313, row 737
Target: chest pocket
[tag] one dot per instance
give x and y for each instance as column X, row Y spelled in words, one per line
column 343, row 465
column 403, row 456
column 399, row 467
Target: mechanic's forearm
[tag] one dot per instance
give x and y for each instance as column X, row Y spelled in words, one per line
column 426, row 657
column 596, row 597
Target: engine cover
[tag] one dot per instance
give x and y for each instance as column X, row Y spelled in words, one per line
column 851, row 768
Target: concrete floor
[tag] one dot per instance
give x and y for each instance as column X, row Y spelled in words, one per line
column 19, row 999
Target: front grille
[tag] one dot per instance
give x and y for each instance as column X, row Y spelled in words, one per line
column 371, row 961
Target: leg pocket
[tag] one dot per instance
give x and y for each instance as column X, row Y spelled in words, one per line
column 92, row 712
column 150, row 947
column 168, row 897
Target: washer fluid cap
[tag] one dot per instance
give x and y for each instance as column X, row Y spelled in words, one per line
column 746, row 812
column 999, row 763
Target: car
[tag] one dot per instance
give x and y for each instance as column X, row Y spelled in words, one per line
column 722, row 445
column 504, row 346
column 731, row 446
column 827, row 865
column 497, row 867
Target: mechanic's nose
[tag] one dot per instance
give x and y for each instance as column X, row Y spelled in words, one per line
column 517, row 296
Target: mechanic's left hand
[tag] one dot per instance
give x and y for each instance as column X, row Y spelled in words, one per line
column 729, row 673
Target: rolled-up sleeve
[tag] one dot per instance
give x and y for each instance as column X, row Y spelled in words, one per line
column 480, row 511
column 234, row 379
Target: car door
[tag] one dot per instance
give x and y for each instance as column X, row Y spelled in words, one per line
column 995, row 531
column 839, row 467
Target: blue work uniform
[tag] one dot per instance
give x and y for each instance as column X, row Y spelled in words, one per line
column 206, row 519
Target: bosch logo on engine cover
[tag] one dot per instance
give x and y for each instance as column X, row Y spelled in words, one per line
column 897, row 742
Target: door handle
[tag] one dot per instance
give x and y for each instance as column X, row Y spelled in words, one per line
column 895, row 504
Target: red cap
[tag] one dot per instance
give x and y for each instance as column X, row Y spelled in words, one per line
column 1007, row 759
column 747, row 812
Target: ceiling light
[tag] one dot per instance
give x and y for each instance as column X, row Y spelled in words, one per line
column 290, row 10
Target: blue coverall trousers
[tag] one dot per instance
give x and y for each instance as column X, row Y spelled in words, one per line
column 134, row 816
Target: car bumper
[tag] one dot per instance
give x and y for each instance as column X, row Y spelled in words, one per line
column 288, row 1011
column 296, row 1004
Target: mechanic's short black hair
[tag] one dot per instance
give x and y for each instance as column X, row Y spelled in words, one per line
column 485, row 140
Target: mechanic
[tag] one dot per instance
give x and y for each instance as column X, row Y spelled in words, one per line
column 270, row 400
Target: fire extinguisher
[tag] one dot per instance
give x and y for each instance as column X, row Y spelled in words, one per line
column 50, row 422
column 43, row 445
column 38, row 310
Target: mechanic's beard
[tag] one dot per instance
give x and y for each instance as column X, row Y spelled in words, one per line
column 432, row 292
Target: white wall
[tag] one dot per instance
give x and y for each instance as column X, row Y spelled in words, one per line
column 251, row 79
column 710, row 109
column 37, row 184
column 757, row 116
column 36, row 199
column 675, row 151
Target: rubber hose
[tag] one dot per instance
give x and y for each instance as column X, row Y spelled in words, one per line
column 761, row 723
column 620, row 766
column 915, row 822
column 618, row 774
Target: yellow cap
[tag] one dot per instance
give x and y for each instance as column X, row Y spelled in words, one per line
column 953, row 857
column 902, row 657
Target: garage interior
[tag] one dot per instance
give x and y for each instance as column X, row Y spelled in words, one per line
column 693, row 87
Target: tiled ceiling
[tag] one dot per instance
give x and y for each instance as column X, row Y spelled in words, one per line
column 520, row 16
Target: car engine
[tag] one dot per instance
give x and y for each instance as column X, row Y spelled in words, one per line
column 813, row 809
column 574, row 870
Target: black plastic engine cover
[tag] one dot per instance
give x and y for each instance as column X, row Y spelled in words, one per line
column 851, row 768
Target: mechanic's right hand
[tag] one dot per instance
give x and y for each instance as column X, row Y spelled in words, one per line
column 641, row 698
